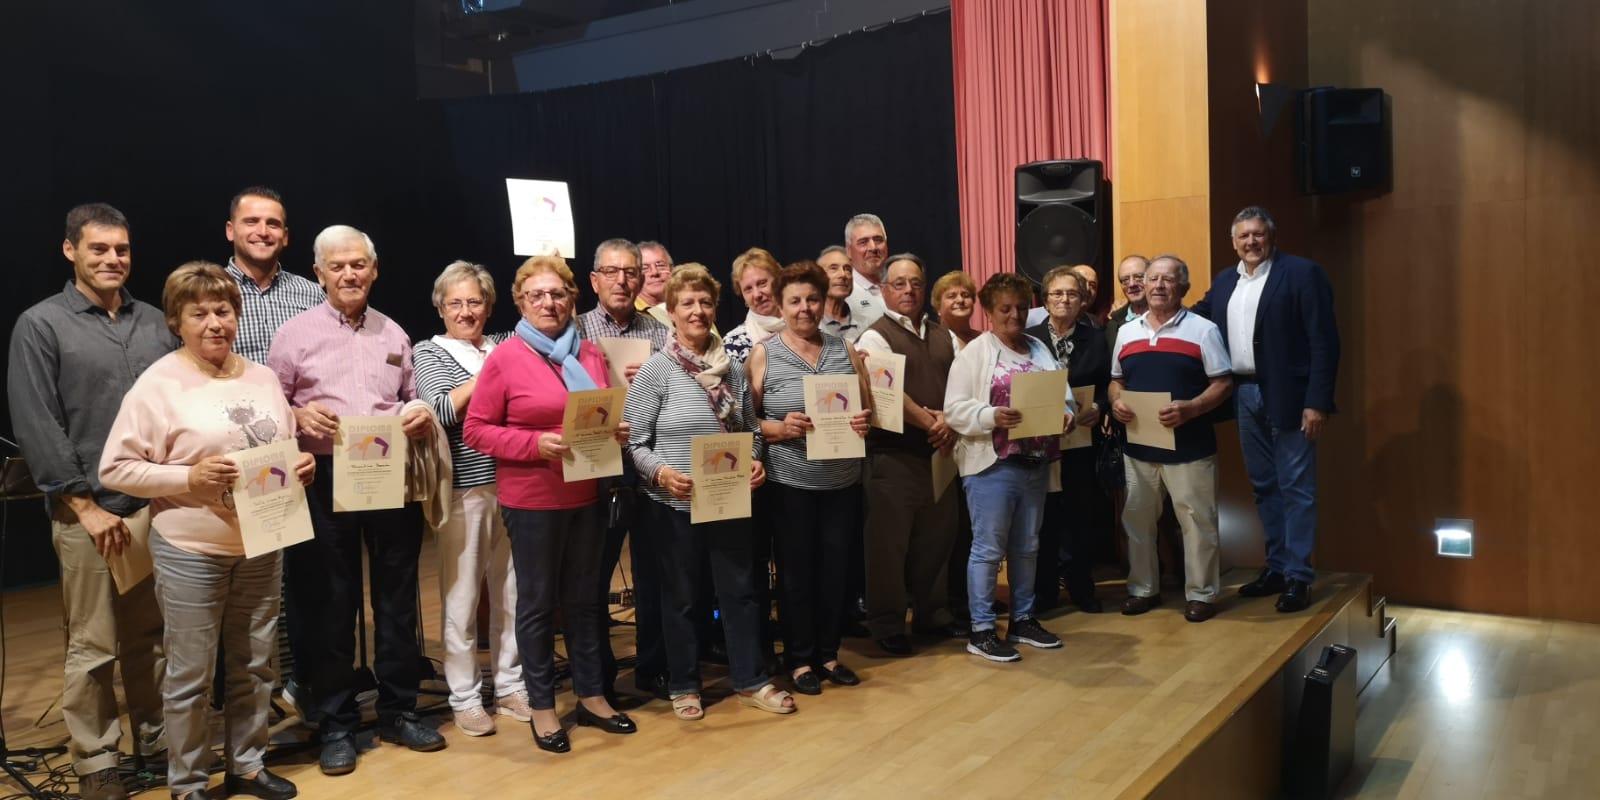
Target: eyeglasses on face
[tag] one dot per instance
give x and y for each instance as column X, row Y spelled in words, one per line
column 459, row 305
column 907, row 283
column 558, row 296
column 611, row 273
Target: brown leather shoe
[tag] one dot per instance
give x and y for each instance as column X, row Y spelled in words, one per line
column 1136, row 605
column 1198, row 611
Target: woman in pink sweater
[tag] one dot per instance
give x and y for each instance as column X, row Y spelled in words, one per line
column 170, row 443
column 557, row 528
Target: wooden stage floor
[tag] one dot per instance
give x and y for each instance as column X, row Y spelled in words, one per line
column 1107, row 716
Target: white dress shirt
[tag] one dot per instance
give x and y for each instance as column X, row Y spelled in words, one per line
column 1242, row 317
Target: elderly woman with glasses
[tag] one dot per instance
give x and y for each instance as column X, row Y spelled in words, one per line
column 694, row 387
column 1005, row 478
column 557, row 527
column 171, row 442
column 473, row 545
column 1077, row 514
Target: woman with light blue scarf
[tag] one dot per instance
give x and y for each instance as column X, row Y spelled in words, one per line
column 1005, row 479
column 556, row 526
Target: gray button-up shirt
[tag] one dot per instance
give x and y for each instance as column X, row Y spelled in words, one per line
column 71, row 363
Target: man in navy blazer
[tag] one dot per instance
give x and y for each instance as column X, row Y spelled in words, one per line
column 1275, row 311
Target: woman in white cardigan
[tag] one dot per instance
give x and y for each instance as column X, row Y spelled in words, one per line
column 1005, row 479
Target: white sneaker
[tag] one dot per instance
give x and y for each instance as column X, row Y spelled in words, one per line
column 515, row 706
column 475, row 721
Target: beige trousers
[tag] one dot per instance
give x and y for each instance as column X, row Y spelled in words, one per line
column 1193, row 487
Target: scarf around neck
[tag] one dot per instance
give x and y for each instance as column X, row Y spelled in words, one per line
column 563, row 349
column 710, row 371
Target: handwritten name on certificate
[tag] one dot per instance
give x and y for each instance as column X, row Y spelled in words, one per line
column 1146, row 427
column 831, row 400
column 620, row 353
column 369, row 464
column 721, row 474
column 589, row 427
column 1081, row 436
column 1041, row 397
column 269, row 499
column 886, row 374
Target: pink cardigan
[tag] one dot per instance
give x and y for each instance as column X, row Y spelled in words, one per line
column 519, row 396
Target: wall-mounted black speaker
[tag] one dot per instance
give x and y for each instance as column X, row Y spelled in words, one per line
column 1344, row 140
column 1062, row 208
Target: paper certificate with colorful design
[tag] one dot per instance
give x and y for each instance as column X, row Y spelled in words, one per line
column 589, row 427
column 886, row 374
column 721, row 473
column 621, row 352
column 369, row 464
column 831, row 400
column 1041, row 397
column 269, row 499
column 541, row 218
column 1146, row 428
column 1081, row 436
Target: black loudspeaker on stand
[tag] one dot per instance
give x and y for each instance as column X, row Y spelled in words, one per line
column 1062, row 213
column 16, row 483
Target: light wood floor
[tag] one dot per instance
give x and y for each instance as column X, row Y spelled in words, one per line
column 1473, row 706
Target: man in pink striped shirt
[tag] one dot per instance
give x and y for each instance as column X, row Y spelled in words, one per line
column 344, row 358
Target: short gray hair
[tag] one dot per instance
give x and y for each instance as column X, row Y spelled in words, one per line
column 651, row 244
column 337, row 235
column 833, row 248
column 922, row 266
column 863, row 219
column 1183, row 268
column 1255, row 212
column 458, row 272
column 617, row 244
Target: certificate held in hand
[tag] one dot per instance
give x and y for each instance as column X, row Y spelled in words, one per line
column 886, row 374
column 1146, row 428
column 721, row 473
column 269, row 499
column 589, row 428
column 831, row 400
column 369, row 464
column 1041, row 398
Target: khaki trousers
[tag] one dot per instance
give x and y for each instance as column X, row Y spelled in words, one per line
column 1193, row 487
column 104, row 627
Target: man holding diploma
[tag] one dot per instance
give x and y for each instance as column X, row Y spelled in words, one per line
column 344, row 359
column 1174, row 351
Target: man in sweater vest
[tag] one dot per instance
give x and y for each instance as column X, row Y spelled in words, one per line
column 908, row 532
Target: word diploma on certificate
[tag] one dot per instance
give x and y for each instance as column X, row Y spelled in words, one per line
column 720, row 469
column 589, row 428
column 886, row 374
column 831, row 400
column 369, row 464
column 269, row 499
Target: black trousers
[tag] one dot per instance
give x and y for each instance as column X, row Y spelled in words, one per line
column 683, row 547
column 815, row 533
column 650, row 657
column 1077, row 524
column 325, row 582
column 557, row 556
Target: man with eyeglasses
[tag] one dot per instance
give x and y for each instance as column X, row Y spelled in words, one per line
column 657, row 265
column 908, row 533
column 1130, row 276
column 868, row 244
column 616, row 279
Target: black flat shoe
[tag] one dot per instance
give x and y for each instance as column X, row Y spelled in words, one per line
column 1296, row 597
column 617, row 723
column 841, row 675
column 554, row 743
column 1266, row 584
column 807, row 682
column 264, row 784
column 408, row 730
column 338, row 755
column 895, row 644
column 1089, row 605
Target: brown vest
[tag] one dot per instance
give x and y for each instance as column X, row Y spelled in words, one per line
column 927, row 370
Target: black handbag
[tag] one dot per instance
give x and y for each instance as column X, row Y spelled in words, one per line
column 1108, row 468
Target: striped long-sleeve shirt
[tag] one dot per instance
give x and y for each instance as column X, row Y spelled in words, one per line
column 783, row 391
column 438, row 373
column 666, row 408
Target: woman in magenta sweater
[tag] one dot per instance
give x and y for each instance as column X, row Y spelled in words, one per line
column 557, row 527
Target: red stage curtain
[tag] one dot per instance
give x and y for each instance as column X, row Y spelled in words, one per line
column 1030, row 84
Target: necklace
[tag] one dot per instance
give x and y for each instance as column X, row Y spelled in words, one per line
column 232, row 365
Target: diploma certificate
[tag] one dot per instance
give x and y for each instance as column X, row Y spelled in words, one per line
column 886, row 374
column 831, row 400
column 589, row 428
column 269, row 499
column 1041, row 397
column 721, row 473
column 369, row 464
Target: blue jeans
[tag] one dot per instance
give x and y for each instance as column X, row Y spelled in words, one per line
column 1283, row 472
column 1007, row 505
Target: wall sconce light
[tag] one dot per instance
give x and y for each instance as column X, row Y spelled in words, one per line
column 1271, row 99
column 1454, row 537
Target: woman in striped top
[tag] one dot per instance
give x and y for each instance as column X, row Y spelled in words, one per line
column 473, row 544
column 818, row 502
column 692, row 388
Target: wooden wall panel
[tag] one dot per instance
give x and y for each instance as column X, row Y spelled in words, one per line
column 1168, row 225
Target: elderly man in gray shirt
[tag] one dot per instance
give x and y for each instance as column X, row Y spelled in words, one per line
column 73, row 356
